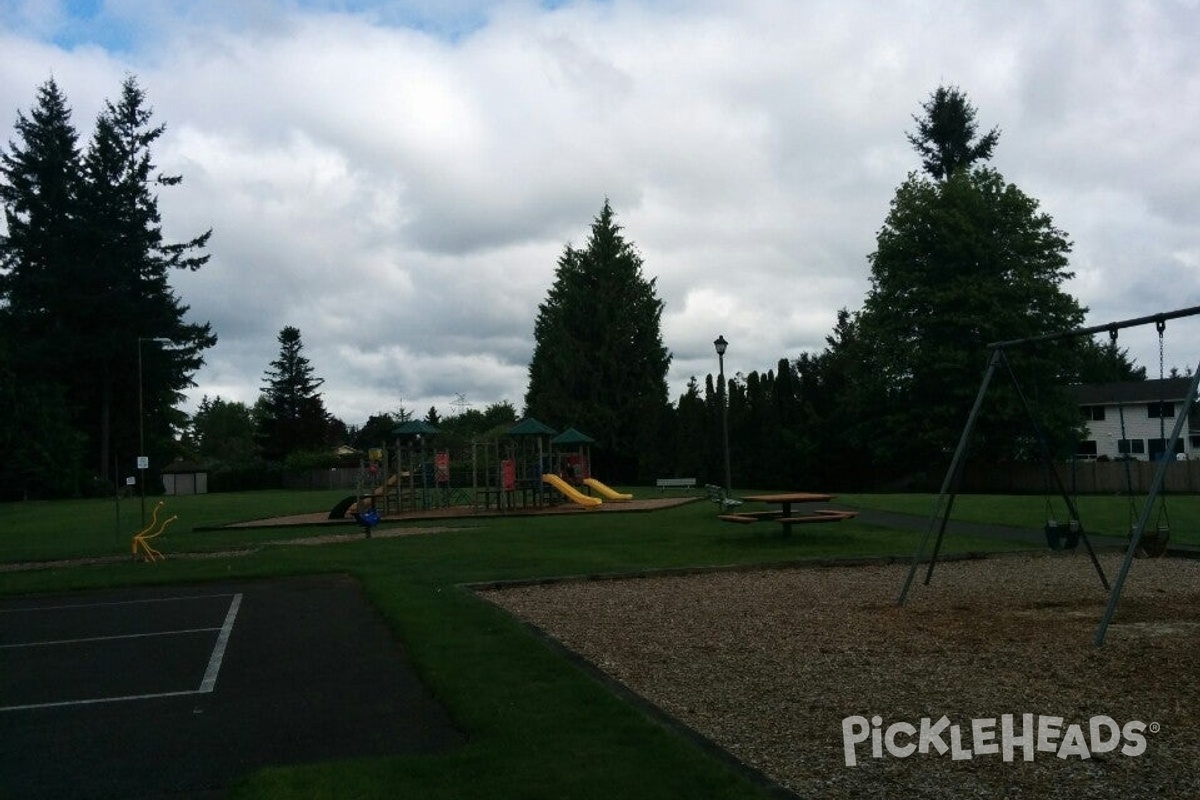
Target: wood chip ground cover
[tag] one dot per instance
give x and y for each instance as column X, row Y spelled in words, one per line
column 769, row 664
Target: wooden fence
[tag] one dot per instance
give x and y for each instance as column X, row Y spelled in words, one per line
column 1081, row 477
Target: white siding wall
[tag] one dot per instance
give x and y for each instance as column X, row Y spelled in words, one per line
column 1138, row 425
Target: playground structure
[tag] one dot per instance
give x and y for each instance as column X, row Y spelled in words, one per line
column 1141, row 541
column 529, row 466
column 141, row 539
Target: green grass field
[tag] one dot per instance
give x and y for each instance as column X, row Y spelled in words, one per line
column 537, row 725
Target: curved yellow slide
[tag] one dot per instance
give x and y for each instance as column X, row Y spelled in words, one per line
column 607, row 491
column 570, row 491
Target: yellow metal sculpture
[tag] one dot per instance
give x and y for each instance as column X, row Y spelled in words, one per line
column 141, row 540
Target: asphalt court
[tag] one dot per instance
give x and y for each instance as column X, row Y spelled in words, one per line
column 177, row 691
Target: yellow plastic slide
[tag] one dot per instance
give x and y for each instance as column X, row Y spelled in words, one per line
column 608, row 492
column 570, row 491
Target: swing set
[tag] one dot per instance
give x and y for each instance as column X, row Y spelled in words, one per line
column 1154, row 540
column 1140, row 542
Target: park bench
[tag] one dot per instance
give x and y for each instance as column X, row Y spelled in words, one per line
column 717, row 495
column 675, row 483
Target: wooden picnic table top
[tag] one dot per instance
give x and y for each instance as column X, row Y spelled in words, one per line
column 789, row 497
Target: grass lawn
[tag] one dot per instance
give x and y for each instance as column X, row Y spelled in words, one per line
column 1109, row 515
column 537, row 725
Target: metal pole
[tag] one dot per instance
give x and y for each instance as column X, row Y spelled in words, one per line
column 142, row 419
column 141, row 433
column 725, row 421
column 1109, row 328
column 945, row 501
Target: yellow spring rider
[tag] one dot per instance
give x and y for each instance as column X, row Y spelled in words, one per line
column 141, row 540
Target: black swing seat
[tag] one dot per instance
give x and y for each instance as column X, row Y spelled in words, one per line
column 1154, row 542
column 1062, row 537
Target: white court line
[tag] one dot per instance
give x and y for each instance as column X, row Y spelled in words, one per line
column 218, row 654
column 95, row 700
column 116, row 603
column 106, row 638
column 206, row 685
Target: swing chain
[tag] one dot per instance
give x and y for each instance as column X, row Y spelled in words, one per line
column 1161, row 325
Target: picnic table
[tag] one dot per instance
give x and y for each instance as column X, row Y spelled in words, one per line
column 785, row 515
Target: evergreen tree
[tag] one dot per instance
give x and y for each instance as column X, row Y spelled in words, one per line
column 1106, row 362
column 692, row 427
column 945, row 137
column 960, row 263
column 43, row 453
column 83, row 276
column 292, row 416
column 124, row 292
column 840, row 415
column 599, row 363
column 39, row 188
column 40, row 191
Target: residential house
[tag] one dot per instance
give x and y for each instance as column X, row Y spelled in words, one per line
column 1134, row 419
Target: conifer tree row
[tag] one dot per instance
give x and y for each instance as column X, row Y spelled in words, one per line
column 85, row 296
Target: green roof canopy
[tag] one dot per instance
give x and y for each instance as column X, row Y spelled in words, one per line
column 572, row 436
column 414, row 427
column 530, row 427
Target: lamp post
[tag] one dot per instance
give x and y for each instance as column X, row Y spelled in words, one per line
column 720, row 344
column 143, row 460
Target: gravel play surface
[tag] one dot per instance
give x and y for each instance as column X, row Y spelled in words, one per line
column 787, row 670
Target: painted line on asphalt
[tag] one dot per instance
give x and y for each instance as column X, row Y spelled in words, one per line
column 106, row 638
column 206, row 685
column 115, row 603
column 218, row 653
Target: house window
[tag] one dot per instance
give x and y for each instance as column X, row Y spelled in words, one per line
column 1160, row 410
column 1093, row 413
column 1086, row 449
column 1159, row 446
column 1131, row 447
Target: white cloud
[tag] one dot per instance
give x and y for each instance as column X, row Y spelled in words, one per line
column 399, row 181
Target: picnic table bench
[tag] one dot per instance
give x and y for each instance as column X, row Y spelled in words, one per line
column 784, row 516
column 675, row 483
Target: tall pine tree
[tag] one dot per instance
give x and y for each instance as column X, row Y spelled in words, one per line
column 945, row 136
column 961, row 261
column 39, row 188
column 599, row 363
column 125, row 294
column 291, row 415
column 84, row 276
column 40, row 192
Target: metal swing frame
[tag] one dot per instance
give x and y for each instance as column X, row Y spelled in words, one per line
column 953, row 478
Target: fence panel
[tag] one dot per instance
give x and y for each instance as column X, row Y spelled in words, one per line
column 1082, row 477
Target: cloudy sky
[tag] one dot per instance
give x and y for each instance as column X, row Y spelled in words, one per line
column 397, row 178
